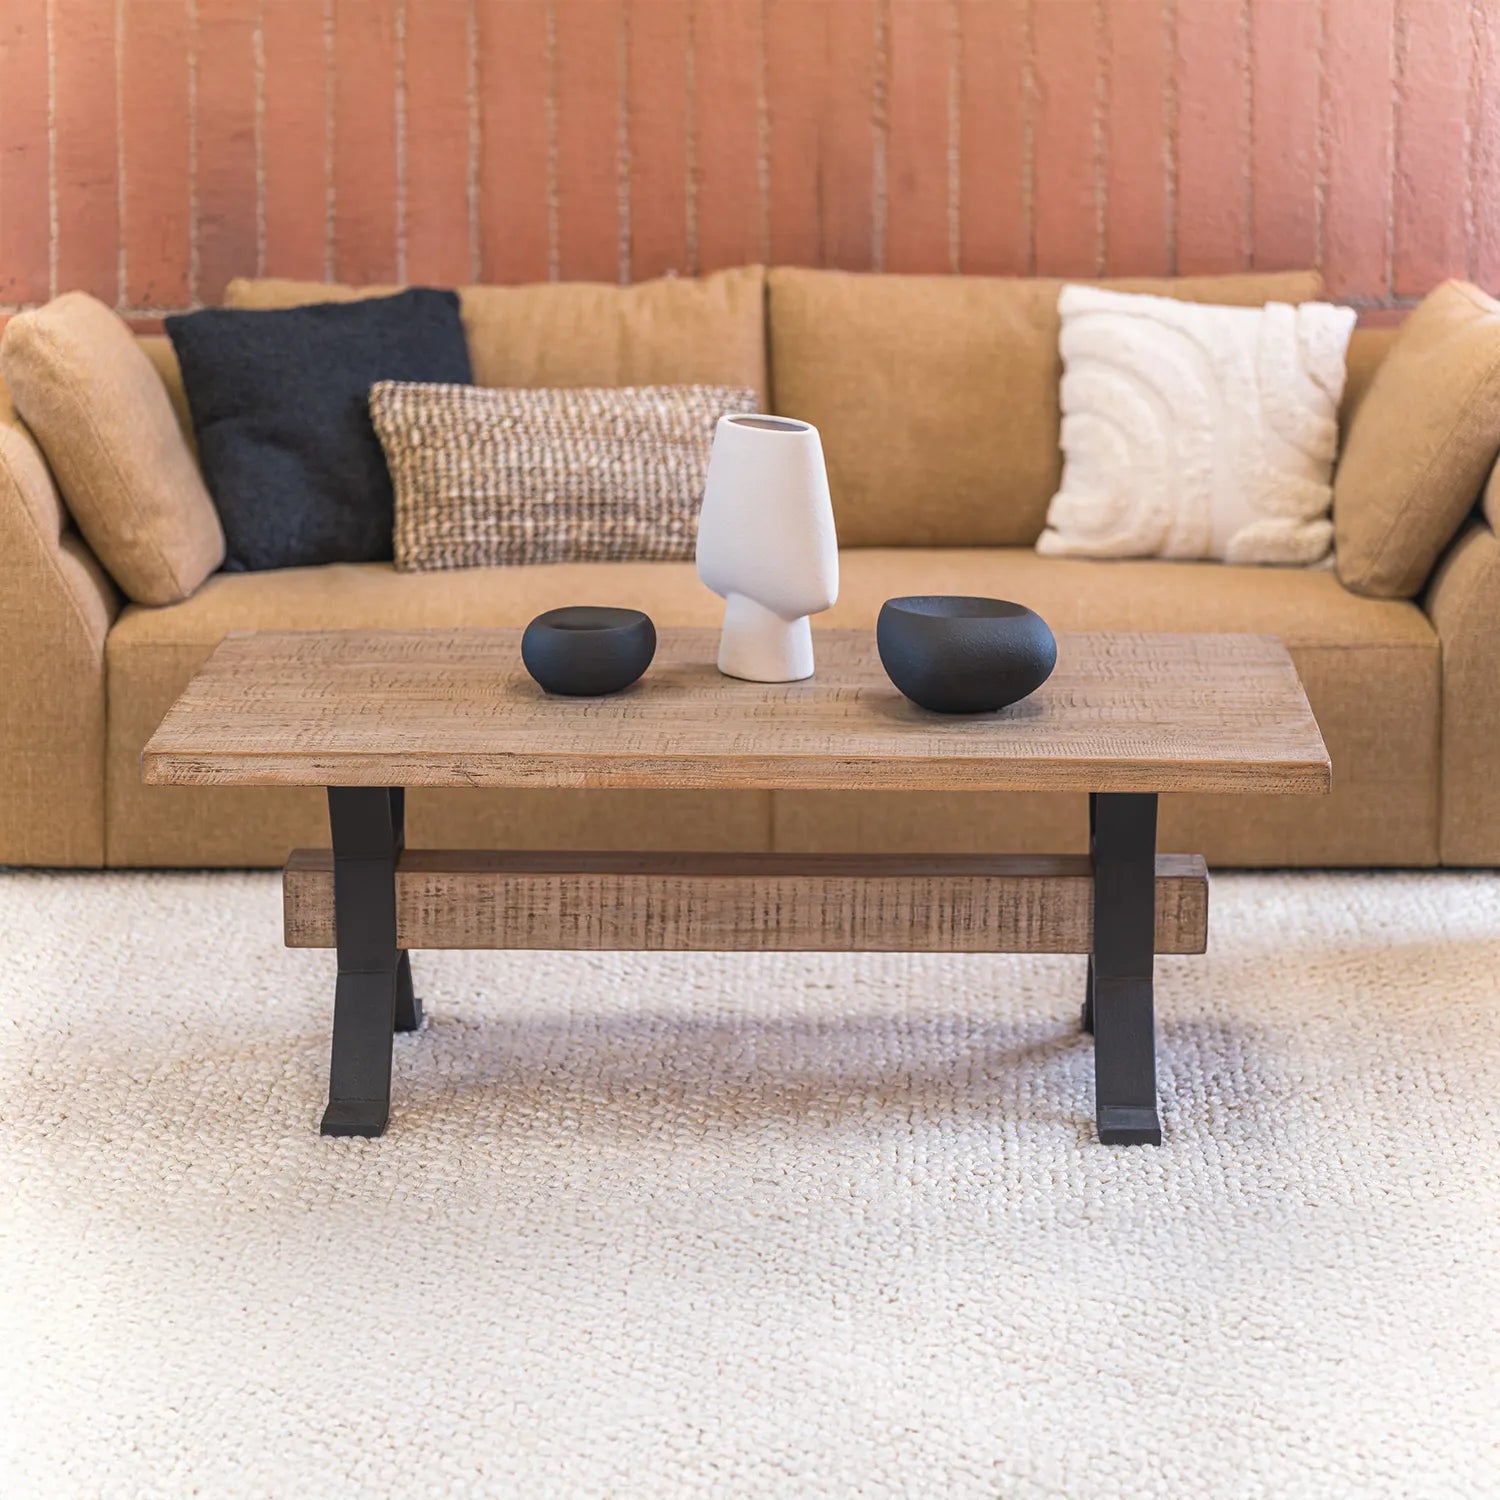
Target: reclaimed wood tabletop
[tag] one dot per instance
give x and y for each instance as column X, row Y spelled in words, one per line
column 455, row 708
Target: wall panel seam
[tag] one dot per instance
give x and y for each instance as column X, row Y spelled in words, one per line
column 120, row 263
column 1172, row 107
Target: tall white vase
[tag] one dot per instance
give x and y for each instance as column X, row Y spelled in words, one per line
column 766, row 544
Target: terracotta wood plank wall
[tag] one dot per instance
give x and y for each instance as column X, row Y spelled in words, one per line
column 151, row 149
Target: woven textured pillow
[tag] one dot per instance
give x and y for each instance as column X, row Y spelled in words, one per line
column 594, row 474
column 1196, row 431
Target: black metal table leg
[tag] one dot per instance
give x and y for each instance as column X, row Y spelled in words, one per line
column 1120, row 1008
column 408, row 1006
column 374, row 995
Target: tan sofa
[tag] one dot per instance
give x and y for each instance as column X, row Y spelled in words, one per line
column 937, row 399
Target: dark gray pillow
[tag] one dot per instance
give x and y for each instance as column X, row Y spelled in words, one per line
column 280, row 404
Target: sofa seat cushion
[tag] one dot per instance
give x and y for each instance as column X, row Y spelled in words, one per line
column 373, row 596
column 937, row 396
column 1371, row 668
column 1303, row 607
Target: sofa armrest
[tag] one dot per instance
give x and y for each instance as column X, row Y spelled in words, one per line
column 1463, row 603
column 56, row 608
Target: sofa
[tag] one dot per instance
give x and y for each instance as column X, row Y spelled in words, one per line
column 937, row 400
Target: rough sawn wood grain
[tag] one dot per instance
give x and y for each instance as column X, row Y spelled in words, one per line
column 807, row 903
column 1150, row 713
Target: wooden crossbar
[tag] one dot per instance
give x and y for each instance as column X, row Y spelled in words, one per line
column 745, row 902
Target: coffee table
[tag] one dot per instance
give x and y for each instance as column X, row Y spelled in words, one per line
column 367, row 714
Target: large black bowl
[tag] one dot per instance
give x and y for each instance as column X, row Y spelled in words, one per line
column 588, row 650
column 960, row 655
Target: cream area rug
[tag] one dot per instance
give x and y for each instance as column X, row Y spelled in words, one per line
column 756, row 1225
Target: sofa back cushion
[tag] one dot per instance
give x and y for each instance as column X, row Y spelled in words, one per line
column 1367, row 348
column 87, row 390
column 1421, row 444
column 674, row 331
column 937, row 396
column 157, row 348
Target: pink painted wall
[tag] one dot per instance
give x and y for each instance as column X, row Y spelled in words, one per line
column 152, row 149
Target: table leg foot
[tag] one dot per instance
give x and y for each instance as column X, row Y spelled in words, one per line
column 1127, row 1125
column 363, row 1117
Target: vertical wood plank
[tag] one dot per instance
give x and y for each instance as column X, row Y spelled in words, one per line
column 228, row 212
column 917, row 161
column 436, row 208
column 1357, row 126
column 1430, row 232
column 994, row 227
column 728, row 215
column 85, row 166
column 1247, row 178
column 297, row 140
column 364, row 141
column 1284, row 46
column 796, row 68
column 1213, row 155
column 657, row 135
column 25, row 211
column 1066, row 84
column 157, row 229
column 846, row 140
column 586, row 65
column 1137, row 56
column 514, row 183
column 1484, row 174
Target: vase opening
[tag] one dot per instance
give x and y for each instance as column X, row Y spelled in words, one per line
column 770, row 424
column 958, row 607
column 588, row 617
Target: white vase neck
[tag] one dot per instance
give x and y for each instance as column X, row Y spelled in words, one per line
column 759, row 645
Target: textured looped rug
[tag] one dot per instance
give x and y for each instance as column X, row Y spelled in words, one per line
column 750, row 1225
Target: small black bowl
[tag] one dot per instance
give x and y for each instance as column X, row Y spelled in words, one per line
column 959, row 655
column 588, row 650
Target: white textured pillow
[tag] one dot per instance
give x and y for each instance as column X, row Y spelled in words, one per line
column 1195, row 431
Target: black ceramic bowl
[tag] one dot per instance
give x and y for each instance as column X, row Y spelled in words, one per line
column 960, row 655
column 588, row 650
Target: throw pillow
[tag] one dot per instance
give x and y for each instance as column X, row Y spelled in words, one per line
column 1420, row 445
column 586, row 474
column 1196, row 431
column 280, row 404
column 83, row 385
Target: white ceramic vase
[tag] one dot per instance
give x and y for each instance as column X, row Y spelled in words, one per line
column 766, row 544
